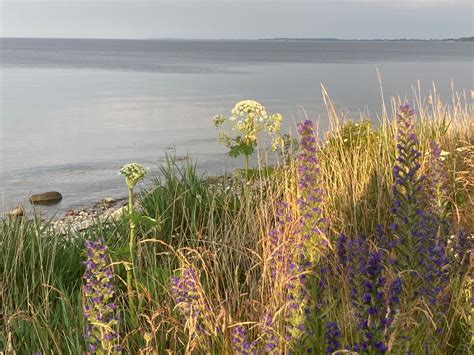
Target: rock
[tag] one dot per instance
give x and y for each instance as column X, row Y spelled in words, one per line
column 118, row 213
column 106, row 202
column 46, row 198
column 70, row 212
column 19, row 211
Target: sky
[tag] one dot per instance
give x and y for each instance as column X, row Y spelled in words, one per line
column 237, row 19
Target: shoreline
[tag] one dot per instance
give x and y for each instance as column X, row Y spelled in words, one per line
column 79, row 219
column 107, row 209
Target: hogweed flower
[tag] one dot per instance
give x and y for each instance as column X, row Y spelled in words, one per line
column 245, row 108
column 224, row 139
column 218, row 120
column 133, row 173
column 249, row 119
column 99, row 307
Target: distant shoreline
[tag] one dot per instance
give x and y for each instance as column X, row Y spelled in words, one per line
column 462, row 39
column 276, row 39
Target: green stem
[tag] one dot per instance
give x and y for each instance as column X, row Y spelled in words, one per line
column 256, row 143
column 246, row 162
column 131, row 245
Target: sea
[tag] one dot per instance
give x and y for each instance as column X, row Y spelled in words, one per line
column 73, row 111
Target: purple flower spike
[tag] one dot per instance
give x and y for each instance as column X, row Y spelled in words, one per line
column 190, row 301
column 240, row 342
column 99, row 310
column 375, row 300
column 269, row 336
column 332, row 336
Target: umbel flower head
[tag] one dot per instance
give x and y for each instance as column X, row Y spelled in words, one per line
column 248, row 120
column 133, row 173
column 250, row 108
column 251, row 118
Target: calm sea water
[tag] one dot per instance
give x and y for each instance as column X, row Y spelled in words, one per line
column 73, row 111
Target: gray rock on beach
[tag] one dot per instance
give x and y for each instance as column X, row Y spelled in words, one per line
column 46, row 198
column 106, row 203
column 17, row 212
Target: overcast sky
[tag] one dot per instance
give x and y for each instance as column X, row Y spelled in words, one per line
column 236, row 18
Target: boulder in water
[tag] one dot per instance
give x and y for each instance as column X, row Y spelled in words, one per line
column 46, row 198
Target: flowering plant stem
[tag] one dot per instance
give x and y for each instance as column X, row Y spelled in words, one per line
column 133, row 173
column 130, row 267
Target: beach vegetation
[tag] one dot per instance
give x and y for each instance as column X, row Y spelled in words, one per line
column 358, row 241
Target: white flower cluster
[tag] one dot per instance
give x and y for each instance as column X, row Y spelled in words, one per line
column 133, row 173
column 249, row 108
column 218, row 120
column 224, row 139
column 250, row 120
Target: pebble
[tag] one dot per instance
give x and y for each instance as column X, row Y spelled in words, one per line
column 80, row 220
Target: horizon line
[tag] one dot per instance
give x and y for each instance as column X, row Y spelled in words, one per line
column 249, row 39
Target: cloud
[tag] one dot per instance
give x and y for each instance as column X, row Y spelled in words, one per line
column 231, row 19
column 374, row 2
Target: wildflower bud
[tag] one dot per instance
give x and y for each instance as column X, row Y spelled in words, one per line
column 133, row 173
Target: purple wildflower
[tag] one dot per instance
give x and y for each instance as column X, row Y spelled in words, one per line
column 413, row 232
column 420, row 223
column 332, row 336
column 311, row 233
column 99, row 310
column 394, row 294
column 189, row 300
column 240, row 342
column 374, row 299
column 310, row 193
column 341, row 251
column 270, row 339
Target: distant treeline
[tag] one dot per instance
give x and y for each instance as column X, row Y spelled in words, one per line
column 461, row 39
